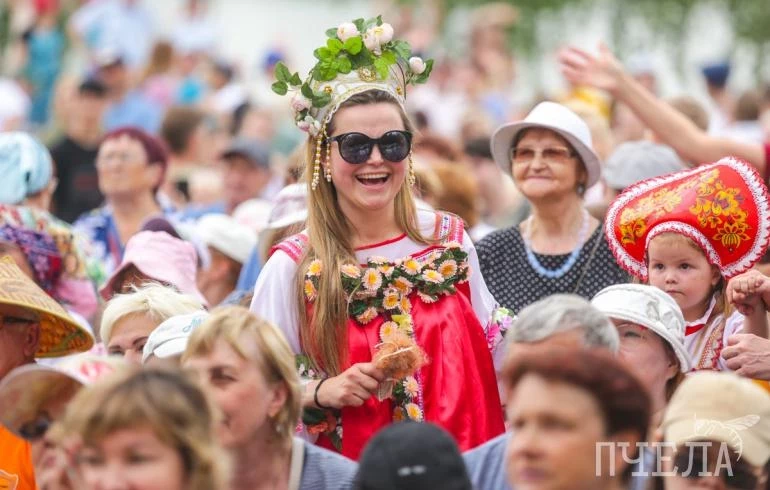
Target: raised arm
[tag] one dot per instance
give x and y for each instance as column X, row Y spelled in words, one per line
column 606, row 73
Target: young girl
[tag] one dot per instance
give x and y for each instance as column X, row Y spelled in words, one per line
column 694, row 234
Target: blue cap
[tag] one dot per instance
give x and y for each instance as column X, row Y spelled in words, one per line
column 716, row 74
column 25, row 167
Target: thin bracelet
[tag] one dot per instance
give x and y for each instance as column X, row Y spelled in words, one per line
column 315, row 396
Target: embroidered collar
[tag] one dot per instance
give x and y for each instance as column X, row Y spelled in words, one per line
column 697, row 325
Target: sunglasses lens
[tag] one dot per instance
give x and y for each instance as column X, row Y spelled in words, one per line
column 395, row 146
column 35, row 429
column 355, row 148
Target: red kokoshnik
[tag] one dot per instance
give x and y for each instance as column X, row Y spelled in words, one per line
column 722, row 206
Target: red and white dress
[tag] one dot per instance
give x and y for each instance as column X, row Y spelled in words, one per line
column 707, row 336
column 457, row 387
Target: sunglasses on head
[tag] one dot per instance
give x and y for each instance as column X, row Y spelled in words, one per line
column 356, row 148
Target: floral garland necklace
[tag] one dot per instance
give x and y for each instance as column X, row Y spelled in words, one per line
column 381, row 287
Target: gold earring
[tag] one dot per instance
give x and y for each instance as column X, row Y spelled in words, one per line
column 316, row 164
column 412, row 176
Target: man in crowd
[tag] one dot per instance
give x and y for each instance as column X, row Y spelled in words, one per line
column 32, row 325
column 74, row 155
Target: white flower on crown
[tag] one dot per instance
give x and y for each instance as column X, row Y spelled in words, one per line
column 346, row 30
column 299, row 103
column 309, row 125
column 376, row 36
column 417, row 65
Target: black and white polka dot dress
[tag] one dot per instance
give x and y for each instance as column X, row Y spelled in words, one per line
column 515, row 284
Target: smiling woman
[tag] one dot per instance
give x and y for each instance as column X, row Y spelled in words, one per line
column 405, row 335
column 559, row 249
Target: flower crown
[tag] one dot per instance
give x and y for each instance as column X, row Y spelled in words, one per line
column 358, row 56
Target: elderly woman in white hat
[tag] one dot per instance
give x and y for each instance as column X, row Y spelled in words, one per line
column 651, row 330
column 559, row 248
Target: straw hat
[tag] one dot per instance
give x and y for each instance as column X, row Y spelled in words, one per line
column 60, row 334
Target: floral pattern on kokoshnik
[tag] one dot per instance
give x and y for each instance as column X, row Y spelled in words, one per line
column 383, row 288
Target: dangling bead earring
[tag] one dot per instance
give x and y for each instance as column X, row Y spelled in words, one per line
column 327, row 164
column 412, row 177
column 316, row 164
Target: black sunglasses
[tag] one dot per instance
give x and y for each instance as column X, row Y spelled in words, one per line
column 356, row 148
column 35, row 428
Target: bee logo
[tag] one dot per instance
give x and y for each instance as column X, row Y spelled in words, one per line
column 704, row 428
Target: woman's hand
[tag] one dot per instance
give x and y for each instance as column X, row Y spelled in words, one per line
column 582, row 68
column 352, row 387
column 749, row 291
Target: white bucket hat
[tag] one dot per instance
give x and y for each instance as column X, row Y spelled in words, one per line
column 649, row 307
column 557, row 118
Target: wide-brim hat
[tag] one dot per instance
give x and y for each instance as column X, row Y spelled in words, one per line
column 723, row 207
column 60, row 334
column 26, row 389
column 559, row 119
column 648, row 307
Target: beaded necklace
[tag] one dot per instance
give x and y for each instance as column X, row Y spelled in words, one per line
column 566, row 266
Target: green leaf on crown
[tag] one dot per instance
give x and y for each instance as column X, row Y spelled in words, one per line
column 322, row 100
column 335, row 46
column 389, row 56
column 379, row 20
column 331, row 32
column 295, row 80
column 280, row 88
column 382, row 67
column 282, row 73
column 402, row 49
column 344, row 65
column 354, row 45
column 360, row 25
column 323, row 54
column 307, row 91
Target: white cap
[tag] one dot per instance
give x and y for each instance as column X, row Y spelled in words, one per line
column 253, row 213
column 170, row 337
column 649, row 307
column 225, row 234
column 290, row 207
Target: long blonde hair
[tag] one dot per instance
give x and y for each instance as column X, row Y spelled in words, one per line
column 324, row 334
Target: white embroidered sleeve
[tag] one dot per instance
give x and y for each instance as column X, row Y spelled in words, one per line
column 274, row 297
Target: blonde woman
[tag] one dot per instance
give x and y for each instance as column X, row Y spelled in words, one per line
column 248, row 369
column 129, row 319
column 413, row 294
column 145, row 430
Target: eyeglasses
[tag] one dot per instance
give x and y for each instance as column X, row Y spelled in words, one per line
column 552, row 155
column 14, row 320
column 356, row 148
column 35, row 428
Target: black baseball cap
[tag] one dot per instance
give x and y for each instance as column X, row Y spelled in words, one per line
column 412, row 456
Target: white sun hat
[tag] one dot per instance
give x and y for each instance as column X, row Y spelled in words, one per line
column 225, row 234
column 559, row 119
column 649, row 307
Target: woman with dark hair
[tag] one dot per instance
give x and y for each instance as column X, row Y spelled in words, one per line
column 131, row 166
column 576, row 417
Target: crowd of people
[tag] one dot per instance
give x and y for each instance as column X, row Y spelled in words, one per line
column 388, row 279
